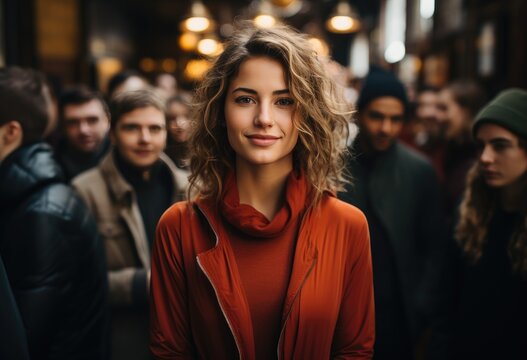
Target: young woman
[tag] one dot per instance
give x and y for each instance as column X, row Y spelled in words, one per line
column 491, row 313
column 178, row 126
column 458, row 105
column 266, row 262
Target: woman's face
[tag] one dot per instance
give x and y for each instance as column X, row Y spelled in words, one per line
column 178, row 122
column 502, row 160
column 453, row 119
column 259, row 115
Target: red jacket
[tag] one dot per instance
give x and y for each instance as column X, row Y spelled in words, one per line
column 198, row 306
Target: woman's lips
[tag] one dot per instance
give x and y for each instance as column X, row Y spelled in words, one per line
column 262, row 140
column 490, row 174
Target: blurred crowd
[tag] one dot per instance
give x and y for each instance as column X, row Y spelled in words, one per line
column 85, row 177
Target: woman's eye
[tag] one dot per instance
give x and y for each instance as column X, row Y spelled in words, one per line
column 243, row 100
column 285, row 102
column 499, row 147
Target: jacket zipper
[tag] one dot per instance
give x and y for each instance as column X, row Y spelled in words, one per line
column 296, row 294
column 291, row 307
column 214, row 287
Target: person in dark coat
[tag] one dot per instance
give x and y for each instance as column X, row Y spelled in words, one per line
column 48, row 240
column 490, row 307
column 397, row 189
column 14, row 342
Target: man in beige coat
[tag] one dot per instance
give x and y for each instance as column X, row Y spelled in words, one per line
column 127, row 192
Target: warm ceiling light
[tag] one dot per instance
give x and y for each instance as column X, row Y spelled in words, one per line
column 264, row 21
column 188, row 41
column 199, row 18
column 208, row 46
column 168, row 65
column 147, row 64
column 344, row 19
column 341, row 23
column 195, row 69
column 197, row 24
column 283, row 3
column 264, row 17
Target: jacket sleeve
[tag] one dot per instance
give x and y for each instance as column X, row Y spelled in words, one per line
column 128, row 286
column 41, row 276
column 170, row 335
column 355, row 330
column 14, row 343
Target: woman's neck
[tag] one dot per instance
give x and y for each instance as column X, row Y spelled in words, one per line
column 512, row 197
column 262, row 187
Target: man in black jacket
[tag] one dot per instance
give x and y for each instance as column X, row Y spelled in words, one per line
column 48, row 240
column 14, row 343
column 398, row 191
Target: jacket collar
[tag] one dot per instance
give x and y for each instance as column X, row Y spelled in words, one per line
column 118, row 186
column 123, row 191
column 219, row 265
column 27, row 168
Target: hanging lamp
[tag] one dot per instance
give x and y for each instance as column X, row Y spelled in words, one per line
column 344, row 19
column 199, row 19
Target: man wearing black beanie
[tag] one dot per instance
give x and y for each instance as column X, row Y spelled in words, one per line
column 398, row 191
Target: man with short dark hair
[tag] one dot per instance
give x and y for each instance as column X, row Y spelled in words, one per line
column 84, row 125
column 128, row 192
column 48, row 239
column 397, row 190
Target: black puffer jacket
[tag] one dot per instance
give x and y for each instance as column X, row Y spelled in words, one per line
column 14, row 343
column 53, row 257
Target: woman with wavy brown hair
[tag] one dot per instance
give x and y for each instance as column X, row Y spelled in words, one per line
column 265, row 262
column 491, row 313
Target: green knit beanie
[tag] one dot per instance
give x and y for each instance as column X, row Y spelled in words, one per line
column 508, row 109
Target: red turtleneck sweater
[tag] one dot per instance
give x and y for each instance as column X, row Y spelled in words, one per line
column 264, row 255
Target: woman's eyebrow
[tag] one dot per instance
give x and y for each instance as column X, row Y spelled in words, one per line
column 247, row 90
column 251, row 91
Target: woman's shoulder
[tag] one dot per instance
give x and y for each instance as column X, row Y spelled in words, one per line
column 177, row 212
column 335, row 224
column 333, row 211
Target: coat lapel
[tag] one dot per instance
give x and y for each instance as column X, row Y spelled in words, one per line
column 219, row 266
column 132, row 217
column 128, row 208
column 303, row 263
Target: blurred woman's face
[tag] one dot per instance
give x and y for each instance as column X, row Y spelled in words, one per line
column 502, row 160
column 178, row 122
column 453, row 119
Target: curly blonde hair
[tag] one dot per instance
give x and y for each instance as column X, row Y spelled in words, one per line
column 476, row 211
column 323, row 128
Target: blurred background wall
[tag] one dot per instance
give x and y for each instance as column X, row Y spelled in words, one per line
column 423, row 41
